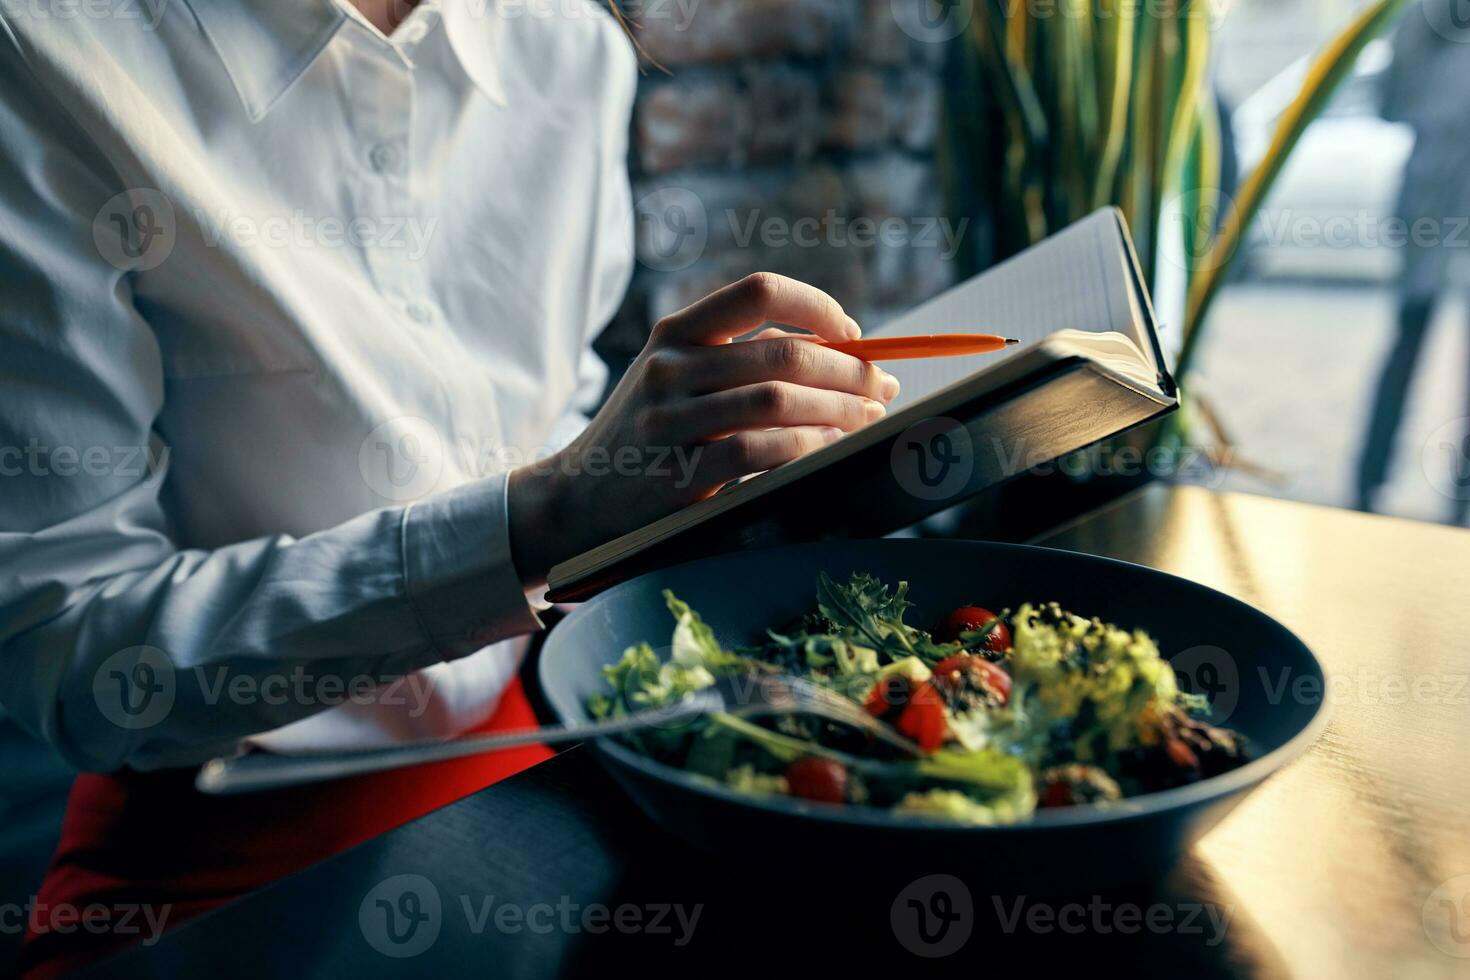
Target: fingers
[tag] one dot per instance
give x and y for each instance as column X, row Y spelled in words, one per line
column 754, row 452
column 758, row 298
column 783, row 357
column 765, row 402
column 774, row 333
column 766, row 405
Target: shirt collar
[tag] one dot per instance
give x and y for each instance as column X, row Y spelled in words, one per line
column 267, row 44
column 474, row 28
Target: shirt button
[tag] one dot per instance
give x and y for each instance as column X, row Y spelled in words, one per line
column 418, row 313
column 385, row 157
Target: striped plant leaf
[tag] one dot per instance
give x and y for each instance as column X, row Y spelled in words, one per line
column 1331, row 66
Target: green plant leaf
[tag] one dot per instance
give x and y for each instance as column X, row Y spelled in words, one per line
column 1331, row 66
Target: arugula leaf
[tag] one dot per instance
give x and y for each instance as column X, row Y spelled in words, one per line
column 866, row 608
column 818, row 651
column 981, row 633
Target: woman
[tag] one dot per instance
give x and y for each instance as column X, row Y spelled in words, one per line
column 298, row 297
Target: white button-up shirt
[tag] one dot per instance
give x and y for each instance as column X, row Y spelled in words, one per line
column 281, row 300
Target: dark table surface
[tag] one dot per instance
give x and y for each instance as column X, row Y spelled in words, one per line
column 1353, row 862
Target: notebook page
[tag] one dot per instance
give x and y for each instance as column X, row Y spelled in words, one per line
column 1114, row 351
column 1073, row 280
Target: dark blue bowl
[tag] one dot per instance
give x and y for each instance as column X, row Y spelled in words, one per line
column 1245, row 660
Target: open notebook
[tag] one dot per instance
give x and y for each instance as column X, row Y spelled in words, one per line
column 1079, row 287
column 1089, row 367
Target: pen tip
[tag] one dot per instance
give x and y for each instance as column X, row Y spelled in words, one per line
column 1010, row 341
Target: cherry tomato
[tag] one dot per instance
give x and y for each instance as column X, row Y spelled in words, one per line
column 923, row 717
column 1074, row 784
column 814, row 778
column 967, row 618
column 1055, row 794
column 878, row 703
column 891, row 692
column 952, row 663
column 980, row 671
column 1180, row 753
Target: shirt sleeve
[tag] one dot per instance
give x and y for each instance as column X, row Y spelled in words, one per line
column 118, row 647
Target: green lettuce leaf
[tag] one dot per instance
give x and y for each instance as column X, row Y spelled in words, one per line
column 694, row 643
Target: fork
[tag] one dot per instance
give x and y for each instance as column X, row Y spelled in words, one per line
column 743, row 695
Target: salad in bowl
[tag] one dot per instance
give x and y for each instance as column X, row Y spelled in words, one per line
column 1010, row 711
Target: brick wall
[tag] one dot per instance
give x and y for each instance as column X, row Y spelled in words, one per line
column 795, row 136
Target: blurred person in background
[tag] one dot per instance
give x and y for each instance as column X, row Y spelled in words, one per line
column 1425, row 87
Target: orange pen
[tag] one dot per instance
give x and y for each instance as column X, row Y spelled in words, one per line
column 931, row 345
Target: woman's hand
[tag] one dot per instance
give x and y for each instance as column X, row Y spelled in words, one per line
column 696, row 411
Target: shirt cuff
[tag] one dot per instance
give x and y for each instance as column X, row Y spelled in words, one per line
column 458, row 571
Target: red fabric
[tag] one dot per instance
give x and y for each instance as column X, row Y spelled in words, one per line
column 131, row 839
